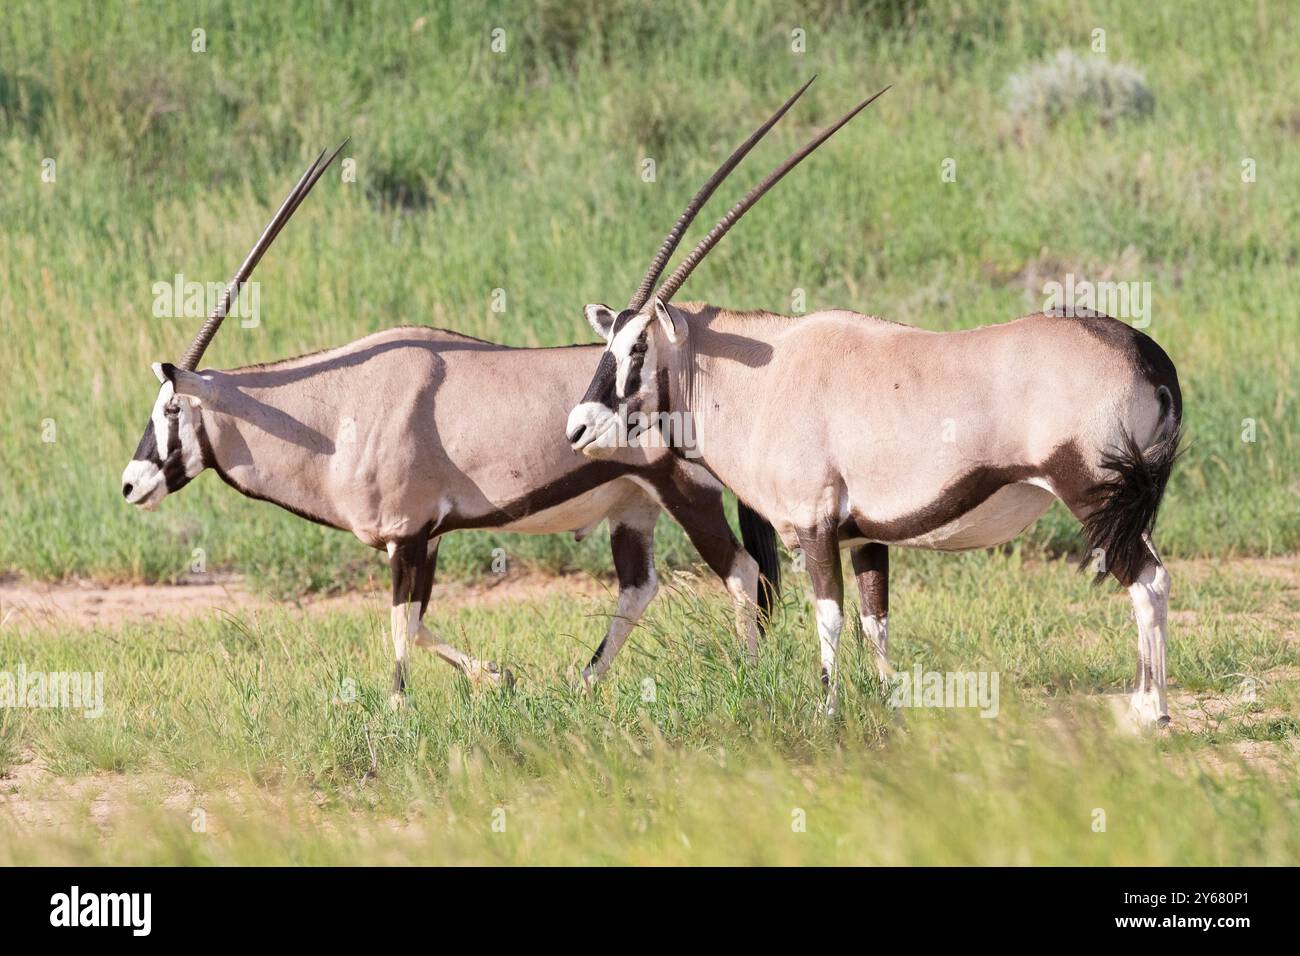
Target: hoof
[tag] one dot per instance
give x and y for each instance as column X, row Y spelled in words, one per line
column 1146, row 712
column 490, row 674
column 397, row 702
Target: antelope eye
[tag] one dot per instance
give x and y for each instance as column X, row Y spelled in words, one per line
column 171, row 409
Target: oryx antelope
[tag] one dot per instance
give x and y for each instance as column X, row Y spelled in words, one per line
column 408, row 434
column 846, row 430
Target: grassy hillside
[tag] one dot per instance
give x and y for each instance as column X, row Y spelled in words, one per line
column 521, row 171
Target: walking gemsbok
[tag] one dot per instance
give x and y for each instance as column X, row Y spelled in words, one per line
column 846, row 430
column 400, row 438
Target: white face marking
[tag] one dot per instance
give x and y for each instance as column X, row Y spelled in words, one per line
column 601, row 428
column 145, row 478
column 621, row 347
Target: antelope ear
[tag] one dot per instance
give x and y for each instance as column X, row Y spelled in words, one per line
column 163, row 371
column 191, row 384
column 601, row 318
column 673, row 324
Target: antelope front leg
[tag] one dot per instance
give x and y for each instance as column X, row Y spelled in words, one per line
column 407, row 559
column 871, row 568
column 478, row 672
column 821, row 550
column 700, row 514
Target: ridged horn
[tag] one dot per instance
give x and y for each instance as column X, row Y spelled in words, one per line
column 683, row 271
column 700, row 198
column 287, row 208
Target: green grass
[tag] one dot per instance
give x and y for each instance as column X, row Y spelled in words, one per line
column 520, row 171
column 243, row 717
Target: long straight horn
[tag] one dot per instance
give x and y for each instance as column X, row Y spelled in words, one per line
column 683, row 271
column 700, row 198
column 287, row 208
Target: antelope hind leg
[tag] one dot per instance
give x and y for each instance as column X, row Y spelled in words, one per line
column 633, row 543
column 1150, row 596
column 871, row 568
column 821, row 550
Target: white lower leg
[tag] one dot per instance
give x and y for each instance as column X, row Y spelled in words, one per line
column 742, row 585
column 1150, row 595
column 405, row 621
column 632, row 603
column 875, row 628
column 830, row 620
column 476, row 670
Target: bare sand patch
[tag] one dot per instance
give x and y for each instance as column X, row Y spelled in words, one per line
column 28, row 604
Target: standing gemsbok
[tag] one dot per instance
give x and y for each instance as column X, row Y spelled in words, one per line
column 848, row 430
column 408, row 434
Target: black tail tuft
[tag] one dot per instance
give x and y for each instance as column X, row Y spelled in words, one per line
column 759, row 539
column 1126, row 504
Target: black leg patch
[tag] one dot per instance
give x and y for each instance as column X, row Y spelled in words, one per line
column 871, row 568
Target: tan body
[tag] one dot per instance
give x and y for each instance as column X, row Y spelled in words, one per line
column 407, row 427
column 826, row 411
column 411, row 433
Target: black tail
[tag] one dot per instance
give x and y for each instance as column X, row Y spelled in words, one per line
column 1126, row 504
column 759, row 539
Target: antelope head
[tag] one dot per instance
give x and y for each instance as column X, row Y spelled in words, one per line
column 170, row 452
column 644, row 343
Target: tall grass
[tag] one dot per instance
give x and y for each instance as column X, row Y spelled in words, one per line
column 520, row 171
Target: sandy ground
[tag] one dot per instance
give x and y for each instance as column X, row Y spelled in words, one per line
column 85, row 604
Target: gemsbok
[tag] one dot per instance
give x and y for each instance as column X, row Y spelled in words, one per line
column 847, row 430
column 400, row 438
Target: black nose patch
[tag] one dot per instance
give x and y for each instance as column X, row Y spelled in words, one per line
column 601, row 389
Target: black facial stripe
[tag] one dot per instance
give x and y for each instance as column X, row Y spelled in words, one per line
column 601, row 388
column 621, row 320
column 636, row 359
column 147, row 450
column 174, row 466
